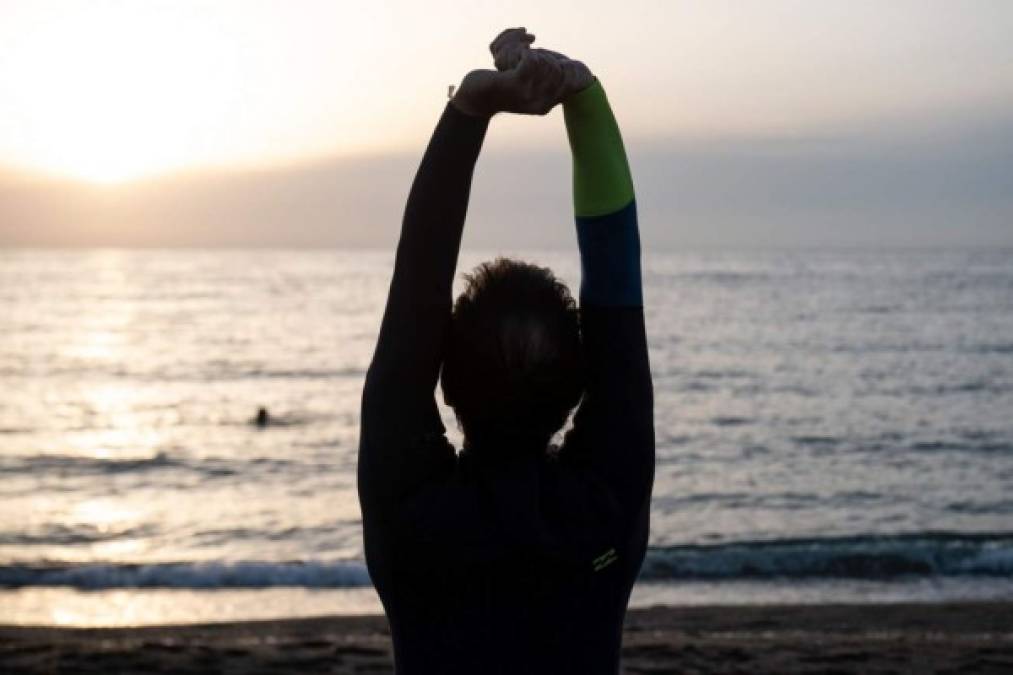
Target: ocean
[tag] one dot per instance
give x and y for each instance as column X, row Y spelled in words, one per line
column 832, row 425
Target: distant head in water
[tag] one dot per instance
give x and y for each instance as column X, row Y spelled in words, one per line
column 513, row 369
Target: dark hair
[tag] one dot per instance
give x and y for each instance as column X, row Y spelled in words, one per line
column 514, row 365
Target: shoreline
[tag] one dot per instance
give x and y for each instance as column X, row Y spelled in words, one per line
column 972, row 637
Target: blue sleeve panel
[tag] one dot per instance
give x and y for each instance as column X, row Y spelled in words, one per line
column 610, row 259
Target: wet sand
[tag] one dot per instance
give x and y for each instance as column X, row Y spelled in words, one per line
column 909, row 638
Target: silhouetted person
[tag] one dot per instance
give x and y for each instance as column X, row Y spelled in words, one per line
column 512, row 556
column 263, row 418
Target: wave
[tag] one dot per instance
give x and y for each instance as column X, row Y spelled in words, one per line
column 64, row 535
column 730, row 421
column 816, row 440
column 199, row 373
column 63, row 464
column 996, row 348
column 859, row 557
column 209, row 575
column 210, row 467
column 958, row 446
column 247, row 373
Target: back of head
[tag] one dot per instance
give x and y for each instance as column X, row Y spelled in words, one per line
column 513, row 370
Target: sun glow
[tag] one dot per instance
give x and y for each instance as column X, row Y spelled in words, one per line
column 114, row 91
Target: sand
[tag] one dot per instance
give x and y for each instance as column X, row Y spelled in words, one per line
column 911, row 638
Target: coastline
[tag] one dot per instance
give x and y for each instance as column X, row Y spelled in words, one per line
column 913, row 637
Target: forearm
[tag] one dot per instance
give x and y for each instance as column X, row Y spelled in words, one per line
column 437, row 205
column 410, row 345
column 603, row 200
column 614, row 423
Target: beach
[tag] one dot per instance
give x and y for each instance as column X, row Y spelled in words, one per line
column 895, row 638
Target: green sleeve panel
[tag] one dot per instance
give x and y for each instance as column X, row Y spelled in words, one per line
column 601, row 174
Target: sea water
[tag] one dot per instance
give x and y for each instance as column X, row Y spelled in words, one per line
column 831, row 425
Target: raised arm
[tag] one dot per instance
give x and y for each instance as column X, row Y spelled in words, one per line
column 400, row 425
column 614, row 424
column 401, row 435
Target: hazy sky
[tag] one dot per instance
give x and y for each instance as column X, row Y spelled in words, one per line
column 300, row 123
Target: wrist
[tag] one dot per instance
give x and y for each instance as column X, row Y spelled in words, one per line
column 475, row 95
column 585, row 90
column 467, row 107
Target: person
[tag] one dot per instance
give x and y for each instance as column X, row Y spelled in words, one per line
column 513, row 555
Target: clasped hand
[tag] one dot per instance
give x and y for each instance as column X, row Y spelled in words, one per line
column 527, row 81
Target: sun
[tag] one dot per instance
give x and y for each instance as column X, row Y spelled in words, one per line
column 109, row 92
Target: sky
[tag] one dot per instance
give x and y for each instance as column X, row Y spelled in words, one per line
column 749, row 123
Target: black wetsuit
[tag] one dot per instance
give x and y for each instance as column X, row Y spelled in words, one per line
column 509, row 562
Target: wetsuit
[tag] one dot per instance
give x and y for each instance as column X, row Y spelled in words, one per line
column 509, row 562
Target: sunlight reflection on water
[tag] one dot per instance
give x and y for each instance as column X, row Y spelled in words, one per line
column 797, row 394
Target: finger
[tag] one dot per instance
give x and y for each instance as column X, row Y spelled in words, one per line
column 527, row 65
column 532, row 69
column 508, row 57
column 552, row 54
column 547, row 85
column 550, row 71
column 504, row 36
column 540, row 61
column 510, row 52
column 545, row 69
column 554, row 85
column 507, row 47
column 508, row 36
